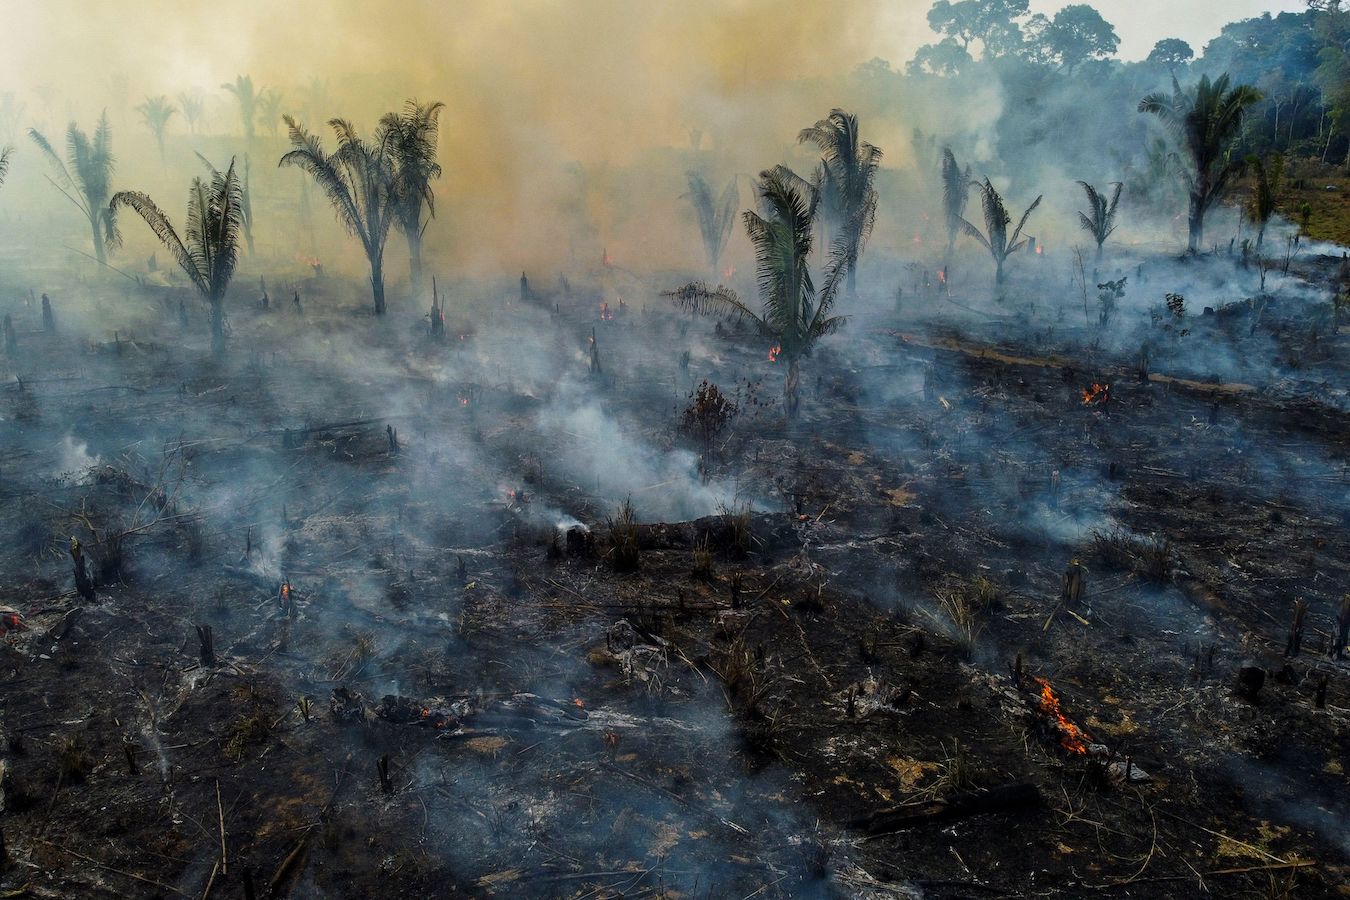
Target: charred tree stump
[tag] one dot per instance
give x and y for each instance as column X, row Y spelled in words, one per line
column 48, row 318
column 1250, row 680
column 84, row 585
column 1295, row 640
column 129, row 751
column 392, row 434
column 207, row 646
column 382, row 768
column 1320, row 700
column 11, row 337
column 1342, row 629
column 1072, row 583
column 250, row 891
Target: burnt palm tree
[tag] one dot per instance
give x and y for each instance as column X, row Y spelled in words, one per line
column 955, row 196
column 247, row 98
column 714, row 216
column 1100, row 220
column 849, row 165
column 193, row 107
column 995, row 238
column 85, row 178
column 208, row 250
column 1205, row 122
column 156, row 113
column 1262, row 204
column 412, row 137
column 358, row 178
column 793, row 314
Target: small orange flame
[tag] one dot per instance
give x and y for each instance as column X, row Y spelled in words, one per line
column 942, row 276
column 463, row 400
column 1097, row 395
column 1071, row 737
column 729, row 273
column 774, row 351
column 605, row 314
column 1040, row 248
column 578, row 704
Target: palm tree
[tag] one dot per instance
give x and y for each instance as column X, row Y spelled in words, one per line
column 1262, row 205
column 85, row 178
column 1101, row 220
column 193, row 106
column 412, row 136
column 793, row 314
column 269, row 110
column 1205, row 122
column 850, row 166
column 714, row 218
column 156, row 113
column 211, row 250
column 955, row 196
column 358, row 178
column 5, row 154
column 996, row 221
column 248, row 98
column 245, row 199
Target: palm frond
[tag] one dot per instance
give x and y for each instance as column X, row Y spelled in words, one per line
column 163, row 229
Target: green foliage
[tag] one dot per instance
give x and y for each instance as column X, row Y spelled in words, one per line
column 848, row 168
column 1100, row 220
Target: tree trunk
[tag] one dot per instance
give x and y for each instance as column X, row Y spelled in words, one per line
column 791, row 390
column 377, row 284
column 1196, row 221
column 852, row 279
column 218, row 326
column 998, row 275
column 99, row 253
column 1260, row 238
column 415, row 259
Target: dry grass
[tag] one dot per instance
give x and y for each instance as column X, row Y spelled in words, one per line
column 624, row 553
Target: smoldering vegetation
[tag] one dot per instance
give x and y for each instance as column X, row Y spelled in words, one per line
column 718, row 481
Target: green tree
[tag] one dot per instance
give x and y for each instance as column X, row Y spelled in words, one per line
column 1261, row 205
column 995, row 238
column 1100, row 219
column 992, row 22
column 946, row 58
column 1205, row 122
column 85, row 178
column 793, row 313
column 208, row 250
column 1076, row 34
column 358, row 179
column 848, row 181
column 6, row 153
column 156, row 113
column 412, row 137
column 1171, row 52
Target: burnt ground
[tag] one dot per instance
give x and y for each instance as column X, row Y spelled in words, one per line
column 833, row 695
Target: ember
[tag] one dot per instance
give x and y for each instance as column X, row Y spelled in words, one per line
column 774, row 351
column 1071, row 737
column 605, row 314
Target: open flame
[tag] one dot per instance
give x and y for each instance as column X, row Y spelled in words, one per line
column 1071, row 737
column 774, row 351
column 605, row 313
column 1097, row 395
column 463, row 400
column 1040, row 248
column 942, row 276
column 729, row 273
